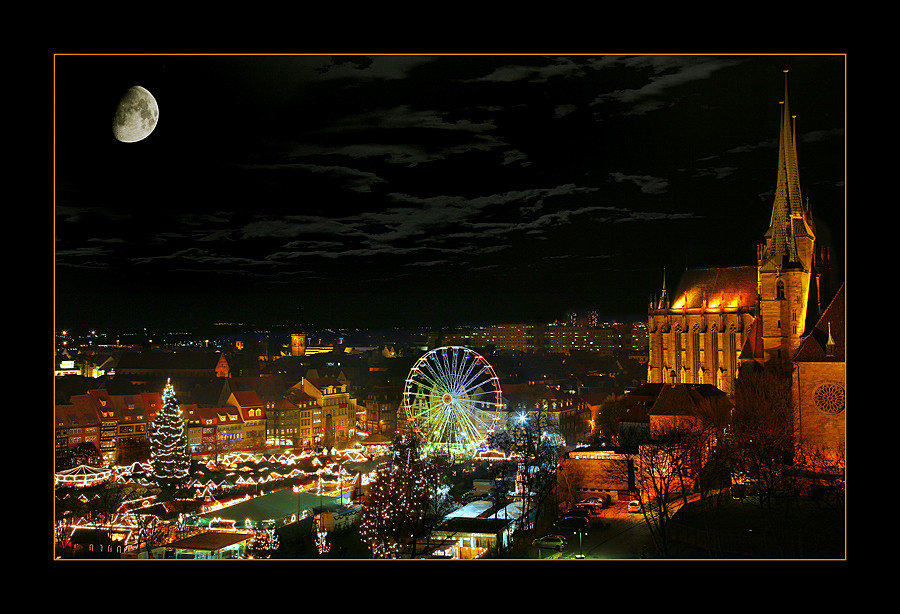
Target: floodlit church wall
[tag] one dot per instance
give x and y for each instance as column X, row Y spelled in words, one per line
column 783, row 310
column 701, row 348
column 819, row 392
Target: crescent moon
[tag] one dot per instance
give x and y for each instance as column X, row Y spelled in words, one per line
column 136, row 115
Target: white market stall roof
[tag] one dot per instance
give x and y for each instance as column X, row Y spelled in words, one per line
column 375, row 440
column 471, row 510
column 82, row 475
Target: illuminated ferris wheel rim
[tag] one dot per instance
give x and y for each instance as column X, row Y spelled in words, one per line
column 452, row 396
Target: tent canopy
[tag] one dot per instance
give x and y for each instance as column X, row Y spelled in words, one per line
column 375, row 440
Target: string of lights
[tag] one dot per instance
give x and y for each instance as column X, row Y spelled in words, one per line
column 169, row 457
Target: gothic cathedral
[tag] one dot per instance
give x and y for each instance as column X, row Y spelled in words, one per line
column 718, row 318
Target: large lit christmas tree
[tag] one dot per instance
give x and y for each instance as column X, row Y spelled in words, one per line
column 405, row 501
column 169, row 456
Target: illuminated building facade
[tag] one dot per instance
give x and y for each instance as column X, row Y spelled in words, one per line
column 229, row 429
column 253, row 417
column 135, row 413
column 333, row 411
column 298, row 344
column 117, row 425
column 309, row 417
column 382, row 403
column 718, row 317
column 696, row 337
column 510, row 337
column 76, row 422
column 819, row 384
column 580, row 334
column 603, row 341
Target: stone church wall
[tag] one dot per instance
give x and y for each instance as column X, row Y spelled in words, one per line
column 819, row 390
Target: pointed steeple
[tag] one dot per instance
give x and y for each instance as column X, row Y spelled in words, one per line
column 663, row 298
column 829, row 344
column 790, row 215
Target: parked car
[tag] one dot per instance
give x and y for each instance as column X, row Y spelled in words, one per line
column 601, row 501
column 581, row 512
column 550, row 541
column 634, row 506
column 592, row 508
column 572, row 524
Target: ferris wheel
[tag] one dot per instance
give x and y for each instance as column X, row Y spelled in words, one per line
column 452, row 397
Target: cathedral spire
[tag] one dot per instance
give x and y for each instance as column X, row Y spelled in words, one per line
column 788, row 206
column 792, row 168
column 664, row 298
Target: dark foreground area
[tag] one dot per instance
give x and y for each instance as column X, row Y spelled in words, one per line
column 783, row 528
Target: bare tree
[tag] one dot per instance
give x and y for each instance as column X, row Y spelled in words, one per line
column 703, row 436
column 760, row 441
column 535, row 441
column 84, row 453
column 660, row 467
column 105, row 505
column 610, row 415
column 150, row 532
column 823, row 476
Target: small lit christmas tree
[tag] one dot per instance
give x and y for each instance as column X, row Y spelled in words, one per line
column 169, row 456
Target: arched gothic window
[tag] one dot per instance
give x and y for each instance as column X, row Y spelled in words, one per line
column 695, row 350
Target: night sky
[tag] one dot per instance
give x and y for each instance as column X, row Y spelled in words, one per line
column 379, row 191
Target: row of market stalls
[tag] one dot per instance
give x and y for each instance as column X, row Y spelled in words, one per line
column 232, row 471
column 244, row 498
column 230, row 532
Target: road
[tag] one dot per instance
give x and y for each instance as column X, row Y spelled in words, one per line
column 614, row 534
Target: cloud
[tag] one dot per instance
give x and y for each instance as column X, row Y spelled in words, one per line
column 83, row 257
column 400, row 134
column 766, row 144
column 564, row 109
column 200, row 256
column 816, row 136
column 652, row 216
column 415, row 224
column 371, row 67
column 412, row 226
column 647, row 183
column 669, row 72
column 427, row 264
column 557, row 66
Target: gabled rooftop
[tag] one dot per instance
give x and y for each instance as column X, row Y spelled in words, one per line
column 717, row 288
column 826, row 341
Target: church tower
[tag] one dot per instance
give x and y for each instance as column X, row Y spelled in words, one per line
column 787, row 261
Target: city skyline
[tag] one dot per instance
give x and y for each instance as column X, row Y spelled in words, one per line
column 408, row 190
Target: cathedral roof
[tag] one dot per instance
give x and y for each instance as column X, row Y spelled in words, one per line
column 688, row 399
column 727, row 287
column 753, row 346
column 829, row 330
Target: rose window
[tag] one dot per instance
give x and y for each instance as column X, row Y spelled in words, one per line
column 829, row 398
